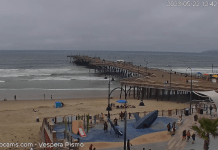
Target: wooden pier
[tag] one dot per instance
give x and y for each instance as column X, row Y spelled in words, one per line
column 147, row 83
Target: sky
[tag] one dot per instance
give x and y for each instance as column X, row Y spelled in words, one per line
column 132, row 25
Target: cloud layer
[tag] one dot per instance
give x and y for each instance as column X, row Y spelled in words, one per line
column 107, row 25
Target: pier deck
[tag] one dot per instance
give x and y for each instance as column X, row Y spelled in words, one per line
column 147, row 81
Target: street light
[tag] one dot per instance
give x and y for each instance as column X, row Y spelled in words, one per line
column 109, row 106
column 125, row 114
column 170, row 74
column 191, row 88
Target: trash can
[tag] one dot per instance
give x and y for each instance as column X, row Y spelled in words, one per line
column 201, row 111
column 186, row 112
column 37, row 119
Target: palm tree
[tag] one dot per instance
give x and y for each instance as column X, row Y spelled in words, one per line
column 206, row 128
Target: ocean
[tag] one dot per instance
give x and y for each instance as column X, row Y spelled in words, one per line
column 31, row 74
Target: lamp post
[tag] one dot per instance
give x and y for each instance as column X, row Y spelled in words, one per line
column 170, row 74
column 125, row 114
column 191, row 88
column 138, row 70
column 125, row 128
column 109, row 106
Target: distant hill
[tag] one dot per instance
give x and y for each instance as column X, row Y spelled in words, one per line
column 214, row 51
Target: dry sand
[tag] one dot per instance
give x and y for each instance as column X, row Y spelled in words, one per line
column 18, row 120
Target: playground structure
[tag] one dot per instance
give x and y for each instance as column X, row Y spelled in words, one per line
column 116, row 130
column 59, row 129
column 146, row 121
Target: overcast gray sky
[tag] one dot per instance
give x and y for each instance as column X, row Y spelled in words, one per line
column 145, row 25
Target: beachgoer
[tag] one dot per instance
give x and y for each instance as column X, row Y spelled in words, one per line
column 105, row 126
column 174, row 124
column 174, row 130
column 51, row 96
column 15, row 97
column 184, row 135
column 44, row 96
column 193, row 137
column 188, row 135
column 94, row 119
column 129, row 115
column 35, row 110
column 121, row 115
column 128, row 144
column 115, row 122
column 94, row 148
column 211, row 109
column 196, row 118
column 168, row 128
column 90, row 147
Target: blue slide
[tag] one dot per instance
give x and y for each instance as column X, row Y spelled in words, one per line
column 145, row 121
column 116, row 130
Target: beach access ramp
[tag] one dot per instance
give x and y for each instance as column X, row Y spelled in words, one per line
column 82, row 132
column 116, row 130
column 145, row 121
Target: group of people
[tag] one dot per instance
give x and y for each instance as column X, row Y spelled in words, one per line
column 90, row 147
column 44, row 96
column 187, row 135
column 123, row 106
column 173, row 127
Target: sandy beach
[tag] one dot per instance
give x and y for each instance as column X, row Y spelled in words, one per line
column 18, row 120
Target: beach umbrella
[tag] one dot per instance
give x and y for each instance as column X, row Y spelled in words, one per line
column 199, row 73
column 121, row 101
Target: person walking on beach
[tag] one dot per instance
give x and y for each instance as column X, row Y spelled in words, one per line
column 51, row 96
column 188, row 135
column 44, row 96
column 15, row 97
column 128, row 144
column 184, row 135
column 193, row 137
